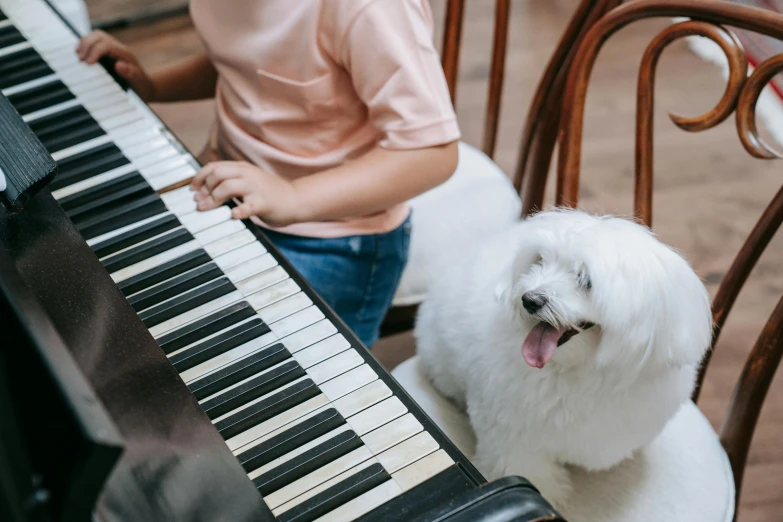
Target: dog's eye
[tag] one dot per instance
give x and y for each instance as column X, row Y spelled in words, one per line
column 538, row 260
column 584, row 280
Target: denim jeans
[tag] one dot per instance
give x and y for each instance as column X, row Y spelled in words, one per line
column 357, row 276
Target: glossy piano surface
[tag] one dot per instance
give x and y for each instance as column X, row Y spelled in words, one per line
column 175, row 466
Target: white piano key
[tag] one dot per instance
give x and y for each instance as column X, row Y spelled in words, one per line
column 393, row 433
column 94, row 181
column 257, row 400
column 309, row 336
column 152, row 262
column 298, row 451
column 133, row 134
column 5, row 23
column 153, row 158
column 287, row 417
column 422, row 470
column 322, row 350
column 259, row 281
column 178, row 195
column 183, row 207
column 269, row 292
column 157, row 169
column 337, row 365
column 192, row 315
column 378, row 415
column 81, row 147
column 228, row 243
column 238, row 256
column 285, row 308
column 173, row 178
column 111, row 111
column 323, row 478
column 138, row 152
column 108, row 90
column 108, row 235
column 298, row 321
column 363, row 504
column 228, row 357
column 253, row 266
column 48, row 111
column 407, row 452
column 222, row 230
column 199, row 221
column 120, row 120
column 348, row 382
column 362, row 398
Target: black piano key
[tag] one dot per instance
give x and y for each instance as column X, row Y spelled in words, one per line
column 71, row 137
column 10, row 35
column 290, row 439
column 173, row 287
column 163, row 272
column 40, row 97
column 156, row 246
column 96, row 192
column 121, row 216
column 238, row 371
column 307, row 462
column 33, row 72
column 21, row 67
column 135, row 236
column 337, row 495
column 222, row 343
column 88, row 164
column 114, row 198
column 252, row 389
column 187, row 301
column 2, row 16
column 266, row 409
column 56, row 123
column 19, row 60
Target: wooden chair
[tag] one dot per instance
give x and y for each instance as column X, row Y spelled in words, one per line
column 442, row 226
column 689, row 472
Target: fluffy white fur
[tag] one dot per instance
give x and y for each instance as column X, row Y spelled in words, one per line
column 607, row 391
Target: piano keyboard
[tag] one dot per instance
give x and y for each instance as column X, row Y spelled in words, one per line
column 300, row 404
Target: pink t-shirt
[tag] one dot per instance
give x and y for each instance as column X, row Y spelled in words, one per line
column 308, row 85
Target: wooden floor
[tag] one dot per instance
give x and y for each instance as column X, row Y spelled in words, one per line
column 708, row 192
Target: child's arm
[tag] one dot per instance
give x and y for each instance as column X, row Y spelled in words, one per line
column 192, row 79
column 378, row 180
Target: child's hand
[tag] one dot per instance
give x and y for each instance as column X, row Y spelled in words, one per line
column 271, row 198
column 98, row 44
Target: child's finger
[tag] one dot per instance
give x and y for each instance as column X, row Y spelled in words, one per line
column 96, row 51
column 243, row 211
column 214, row 173
column 86, row 43
column 231, row 188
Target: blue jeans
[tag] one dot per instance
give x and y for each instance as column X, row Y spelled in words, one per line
column 357, row 276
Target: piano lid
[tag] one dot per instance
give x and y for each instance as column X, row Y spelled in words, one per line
column 175, row 465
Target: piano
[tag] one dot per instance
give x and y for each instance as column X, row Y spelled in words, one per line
column 237, row 394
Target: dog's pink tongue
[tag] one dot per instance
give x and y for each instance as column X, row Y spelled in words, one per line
column 540, row 344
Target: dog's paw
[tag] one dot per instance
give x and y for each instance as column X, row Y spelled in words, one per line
column 550, row 478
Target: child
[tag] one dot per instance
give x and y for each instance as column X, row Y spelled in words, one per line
column 331, row 114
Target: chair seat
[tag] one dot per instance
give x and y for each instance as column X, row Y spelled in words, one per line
column 477, row 200
column 683, row 475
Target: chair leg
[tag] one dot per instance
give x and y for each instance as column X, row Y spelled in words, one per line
column 399, row 319
column 543, row 119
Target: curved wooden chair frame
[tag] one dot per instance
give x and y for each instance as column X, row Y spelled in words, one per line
column 707, row 18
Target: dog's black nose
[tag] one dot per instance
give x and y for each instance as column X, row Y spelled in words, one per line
column 533, row 302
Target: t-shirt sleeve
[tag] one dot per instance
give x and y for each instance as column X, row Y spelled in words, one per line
column 388, row 51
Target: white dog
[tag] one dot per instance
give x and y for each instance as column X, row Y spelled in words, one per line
column 570, row 339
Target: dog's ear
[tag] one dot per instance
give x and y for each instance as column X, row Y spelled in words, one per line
column 655, row 310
